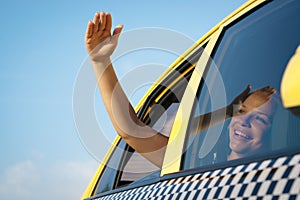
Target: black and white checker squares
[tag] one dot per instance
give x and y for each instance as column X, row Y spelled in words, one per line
column 270, row 179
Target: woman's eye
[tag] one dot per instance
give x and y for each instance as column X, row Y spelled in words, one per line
column 262, row 120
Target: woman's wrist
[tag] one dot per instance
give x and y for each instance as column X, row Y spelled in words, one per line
column 229, row 111
column 103, row 62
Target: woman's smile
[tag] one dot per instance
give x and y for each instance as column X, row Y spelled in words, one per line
column 240, row 135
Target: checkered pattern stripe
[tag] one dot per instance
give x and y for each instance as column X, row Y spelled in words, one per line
column 270, row 179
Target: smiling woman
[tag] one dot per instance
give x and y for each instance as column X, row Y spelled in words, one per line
column 238, row 59
column 248, row 133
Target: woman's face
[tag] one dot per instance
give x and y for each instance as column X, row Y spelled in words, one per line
column 246, row 132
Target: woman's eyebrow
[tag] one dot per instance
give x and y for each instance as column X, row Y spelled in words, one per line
column 265, row 114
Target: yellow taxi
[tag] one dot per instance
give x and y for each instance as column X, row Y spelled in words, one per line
column 256, row 45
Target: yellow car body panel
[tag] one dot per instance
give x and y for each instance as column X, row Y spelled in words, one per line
column 290, row 84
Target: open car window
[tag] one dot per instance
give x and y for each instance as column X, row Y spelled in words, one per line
column 125, row 165
column 160, row 114
column 252, row 51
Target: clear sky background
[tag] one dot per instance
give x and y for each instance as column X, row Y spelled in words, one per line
column 42, row 50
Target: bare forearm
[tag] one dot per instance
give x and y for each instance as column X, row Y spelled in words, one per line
column 116, row 102
column 205, row 121
column 142, row 138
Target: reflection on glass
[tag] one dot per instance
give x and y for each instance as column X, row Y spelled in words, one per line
column 255, row 50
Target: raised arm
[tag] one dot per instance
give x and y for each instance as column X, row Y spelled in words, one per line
column 100, row 44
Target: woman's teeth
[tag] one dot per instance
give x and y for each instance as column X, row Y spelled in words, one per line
column 243, row 135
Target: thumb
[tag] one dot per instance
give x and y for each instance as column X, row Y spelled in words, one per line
column 244, row 95
column 118, row 30
column 116, row 33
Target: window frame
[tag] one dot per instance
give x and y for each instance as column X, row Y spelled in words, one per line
column 176, row 145
column 254, row 158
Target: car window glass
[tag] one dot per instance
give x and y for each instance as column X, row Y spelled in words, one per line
column 108, row 176
column 252, row 51
column 138, row 166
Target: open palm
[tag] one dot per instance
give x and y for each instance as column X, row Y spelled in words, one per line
column 99, row 41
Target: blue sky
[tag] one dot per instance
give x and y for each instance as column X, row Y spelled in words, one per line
column 42, row 51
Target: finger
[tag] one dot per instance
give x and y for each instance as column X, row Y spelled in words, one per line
column 265, row 89
column 116, row 33
column 102, row 21
column 273, row 90
column 248, row 88
column 268, row 90
column 96, row 21
column 245, row 93
column 108, row 24
column 89, row 30
column 118, row 30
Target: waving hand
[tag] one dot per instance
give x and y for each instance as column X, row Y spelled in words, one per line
column 99, row 41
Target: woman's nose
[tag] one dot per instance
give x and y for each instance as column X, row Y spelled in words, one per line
column 245, row 120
